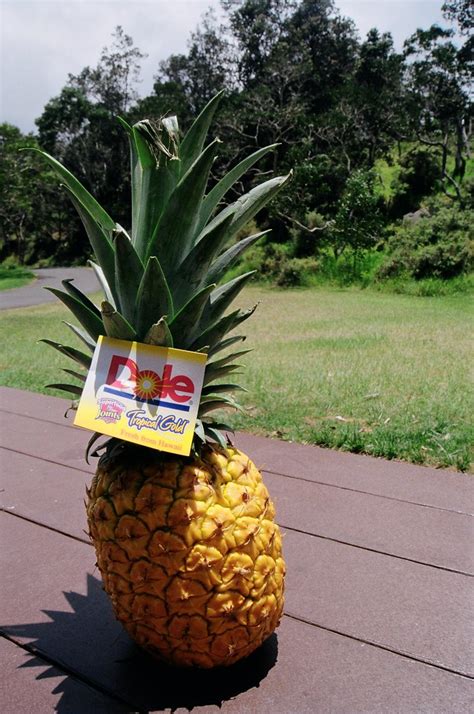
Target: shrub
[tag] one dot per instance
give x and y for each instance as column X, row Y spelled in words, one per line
column 274, row 262
column 249, row 229
column 267, row 259
column 418, row 175
column 10, row 268
column 437, row 246
column 296, row 272
column 358, row 223
column 306, row 244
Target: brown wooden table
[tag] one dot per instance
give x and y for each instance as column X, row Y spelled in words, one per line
column 379, row 597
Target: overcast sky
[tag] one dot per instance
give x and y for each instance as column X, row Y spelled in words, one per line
column 44, row 40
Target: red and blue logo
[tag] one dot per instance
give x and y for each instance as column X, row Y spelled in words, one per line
column 127, row 381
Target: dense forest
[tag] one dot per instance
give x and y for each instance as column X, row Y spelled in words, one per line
column 378, row 141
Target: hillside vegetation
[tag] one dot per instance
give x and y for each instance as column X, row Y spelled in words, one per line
column 378, row 142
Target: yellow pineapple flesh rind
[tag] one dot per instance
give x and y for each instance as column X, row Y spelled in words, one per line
column 189, row 553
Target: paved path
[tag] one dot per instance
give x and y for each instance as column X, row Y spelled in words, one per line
column 378, row 599
column 35, row 294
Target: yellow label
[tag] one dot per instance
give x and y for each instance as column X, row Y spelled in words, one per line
column 144, row 394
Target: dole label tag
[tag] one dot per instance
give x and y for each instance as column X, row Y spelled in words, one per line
column 144, row 394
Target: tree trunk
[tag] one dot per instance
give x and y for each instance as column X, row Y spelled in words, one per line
column 461, row 144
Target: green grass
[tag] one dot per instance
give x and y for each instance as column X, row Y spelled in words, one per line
column 362, row 371
column 14, row 277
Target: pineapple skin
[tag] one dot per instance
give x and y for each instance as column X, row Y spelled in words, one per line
column 189, row 553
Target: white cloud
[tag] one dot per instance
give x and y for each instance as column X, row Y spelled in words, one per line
column 42, row 41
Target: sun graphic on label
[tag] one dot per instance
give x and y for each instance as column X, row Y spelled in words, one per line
column 147, row 385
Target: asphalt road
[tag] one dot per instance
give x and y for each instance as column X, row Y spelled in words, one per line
column 35, row 294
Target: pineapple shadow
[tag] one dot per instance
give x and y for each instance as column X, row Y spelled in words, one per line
column 89, row 649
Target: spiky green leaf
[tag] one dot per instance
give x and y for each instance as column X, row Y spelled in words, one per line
column 129, row 271
column 199, row 430
column 173, row 236
column 93, row 208
column 213, row 373
column 230, row 256
column 135, row 173
column 100, row 244
column 115, row 324
column 192, row 272
column 153, row 182
column 224, row 344
column 72, row 388
column 219, row 403
column 247, row 206
column 79, row 295
column 216, row 435
column 99, row 273
column 185, row 323
column 222, row 388
column 193, row 142
column 82, row 335
column 77, row 375
column 228, row 358
column 94, row 438
column 153, row 298
column 216, row 332
column 217, row 193
column 159, row 334
column 88, row 319
column 222, row 297
column 70, row 352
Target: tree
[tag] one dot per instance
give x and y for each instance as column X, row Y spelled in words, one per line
column 460, row 12
column 167, row 97
column 80, row 127
column 32, row 218
column 324, row 45
column 88, row 139
column 377, row 88
column 292, row 61
column 64, row 117
column 257, row 27
column 111, row 83
column 418, row 177
column 204, row 70
column 439, row 81
column 357, row 222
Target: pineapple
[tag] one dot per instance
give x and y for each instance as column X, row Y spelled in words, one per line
column 187, row 547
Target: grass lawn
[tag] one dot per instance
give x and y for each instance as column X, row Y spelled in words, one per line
column 14, row 277
column 363, row 371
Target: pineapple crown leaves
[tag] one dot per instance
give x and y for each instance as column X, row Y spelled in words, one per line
column 162, row 284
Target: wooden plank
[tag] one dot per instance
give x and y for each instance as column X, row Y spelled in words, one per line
column 410, row 608
column 45, row 492
column 427, row 535
column 33, row 404
column 30, row 684
column 38, row 438
column 64, row 612
column 439, row 488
